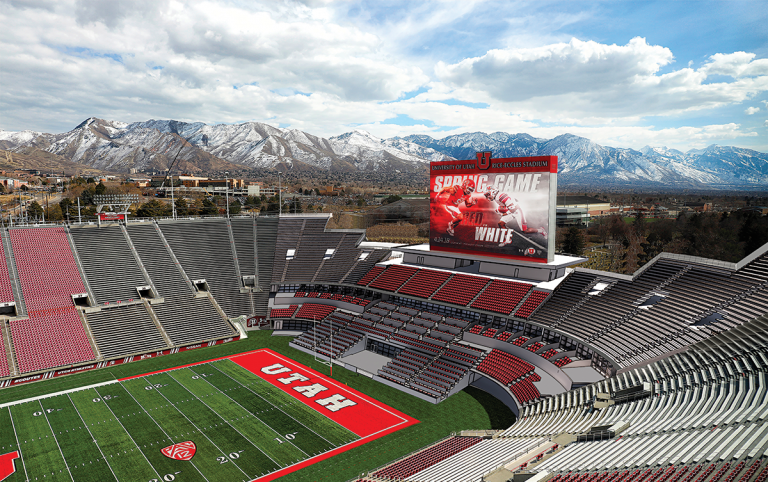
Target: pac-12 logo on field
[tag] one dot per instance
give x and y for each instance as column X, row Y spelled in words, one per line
column 180, row 451
column 484, row 160
column 6, row 464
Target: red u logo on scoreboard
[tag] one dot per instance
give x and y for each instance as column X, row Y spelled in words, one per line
column 484, row 160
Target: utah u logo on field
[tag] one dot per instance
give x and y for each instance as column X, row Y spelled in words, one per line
column 484, row 160
column 6, row 464
column 180, row 451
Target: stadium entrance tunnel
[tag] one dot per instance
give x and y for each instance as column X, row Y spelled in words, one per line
column 81, row 300
column 201, row 285
column 8, row 309
column 145, row 292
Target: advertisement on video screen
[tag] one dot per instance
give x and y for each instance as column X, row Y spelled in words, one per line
column 494, row 207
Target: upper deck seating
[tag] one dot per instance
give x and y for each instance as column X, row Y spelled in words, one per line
column 569, row 292
column 314, row 311
column 370, row 275
column 424, row 283
column 501, row 296
column 534, row 300
column 283, row 312
column 460, row 289
column 393, row 278
column 365, row 261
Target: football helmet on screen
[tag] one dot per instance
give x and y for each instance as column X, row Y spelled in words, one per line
column 491, row 195
column 468, row 186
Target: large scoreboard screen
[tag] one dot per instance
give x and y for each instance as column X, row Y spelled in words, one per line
column 494, row 207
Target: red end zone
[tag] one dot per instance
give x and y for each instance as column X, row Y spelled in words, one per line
column 358, row 413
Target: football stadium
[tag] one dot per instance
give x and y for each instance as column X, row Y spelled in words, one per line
column 256, row 348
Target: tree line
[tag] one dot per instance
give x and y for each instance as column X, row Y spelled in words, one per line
column 722, row 236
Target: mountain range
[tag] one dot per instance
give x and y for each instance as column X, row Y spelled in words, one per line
column 152, row 145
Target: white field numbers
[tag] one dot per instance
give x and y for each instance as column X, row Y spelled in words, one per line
column 48, row 410
column 167, row 477
column 288, row 436
column 232, row 456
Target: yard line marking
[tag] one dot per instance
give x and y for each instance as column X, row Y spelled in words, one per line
column 92, row 437
column 158, row 426
column 225, row 421
column 254, row 416
column 127, row 433
column 13, row 425
column 56, row 394
column 63, row 459
column 195, row 425
column 247, row 388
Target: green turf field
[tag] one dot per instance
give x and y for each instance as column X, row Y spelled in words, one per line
column 243, row 428
column 469, row 409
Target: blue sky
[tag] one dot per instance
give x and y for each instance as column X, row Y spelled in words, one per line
column 684, row 74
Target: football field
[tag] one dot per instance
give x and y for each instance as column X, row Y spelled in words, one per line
column 257, row 415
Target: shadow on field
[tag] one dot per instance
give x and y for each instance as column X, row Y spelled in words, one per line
column 500, row 415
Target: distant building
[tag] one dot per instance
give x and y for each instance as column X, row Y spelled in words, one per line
column 572, row 217
column 331, row 191
column 698, row 207
column 592, row 205
column 11, row 183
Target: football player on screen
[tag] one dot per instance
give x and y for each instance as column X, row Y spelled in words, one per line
column 510, row 209
column 451, row 197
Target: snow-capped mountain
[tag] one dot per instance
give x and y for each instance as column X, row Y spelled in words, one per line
column 11, row 138
column 153, row 144
column 584, row 162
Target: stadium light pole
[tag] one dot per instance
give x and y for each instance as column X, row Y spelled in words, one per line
column 280, row 192
column 173, row 201
column 227, row 180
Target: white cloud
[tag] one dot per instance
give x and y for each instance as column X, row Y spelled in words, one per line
column 306, row 65
column 586, row 81
column 752, row 110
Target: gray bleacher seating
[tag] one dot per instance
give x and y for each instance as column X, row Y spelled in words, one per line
column 124, row 330
column 156, row 260
column 204, row 250
column 112, row 271
column 191, row 320
column 243, row 230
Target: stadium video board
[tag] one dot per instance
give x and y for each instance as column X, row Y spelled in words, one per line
column 501, row 208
